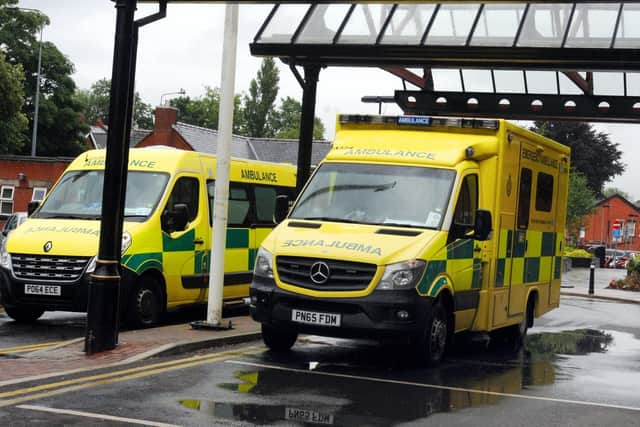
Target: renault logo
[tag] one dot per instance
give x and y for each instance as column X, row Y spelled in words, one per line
column 319, row 272
column 47, row 246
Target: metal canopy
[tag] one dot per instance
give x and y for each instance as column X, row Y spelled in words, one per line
column 494, row 54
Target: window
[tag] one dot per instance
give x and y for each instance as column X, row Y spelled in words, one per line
column 544, row 192
column 467, row 202
column 6, row 200
column 524, row 198
column 38, row 194
column 239, row 204
column 186, row 191
column 265, row 204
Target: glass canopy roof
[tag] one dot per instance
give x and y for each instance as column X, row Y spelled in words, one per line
column 579, row 25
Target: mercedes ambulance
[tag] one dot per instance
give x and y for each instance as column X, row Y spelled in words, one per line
column 166, row 242
column 418, row 228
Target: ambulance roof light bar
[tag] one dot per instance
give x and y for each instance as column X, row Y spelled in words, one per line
column 425, row 121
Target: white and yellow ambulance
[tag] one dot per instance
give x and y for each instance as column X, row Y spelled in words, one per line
column 46, row 262
column 418, row 228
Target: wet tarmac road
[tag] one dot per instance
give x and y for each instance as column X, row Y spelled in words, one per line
column 580, row 366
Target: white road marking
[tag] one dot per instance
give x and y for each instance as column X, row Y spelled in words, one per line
column 438, row 387
column 97, row 416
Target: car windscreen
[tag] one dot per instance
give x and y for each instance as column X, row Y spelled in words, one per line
column 379, row 194
column 78, row 194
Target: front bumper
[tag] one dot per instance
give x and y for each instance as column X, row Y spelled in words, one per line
column 73, row 295
column 373, row 316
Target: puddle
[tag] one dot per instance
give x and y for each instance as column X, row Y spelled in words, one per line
column 270, row 396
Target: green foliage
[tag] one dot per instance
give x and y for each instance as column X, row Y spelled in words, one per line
column 612, row 191
column 204, row 111
column 576, row 253
column 61, row 129
column 95, row 105
column 13, row 122
column 592, row 153
column 581, row 202
column 259, row 104
column 285, row 121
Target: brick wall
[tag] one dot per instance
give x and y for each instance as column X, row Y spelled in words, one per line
column 599, row 225
column 163, row 132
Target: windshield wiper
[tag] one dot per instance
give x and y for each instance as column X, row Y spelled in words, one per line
column 330, row 219
column 67, row 216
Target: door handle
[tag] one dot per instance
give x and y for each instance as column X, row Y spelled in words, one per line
column 477, row 249
column 198, row 241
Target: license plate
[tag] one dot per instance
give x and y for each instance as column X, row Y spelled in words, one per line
column 315, row 318
column 42, row 290
column 305, row 415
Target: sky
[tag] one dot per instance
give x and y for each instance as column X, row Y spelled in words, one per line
column 184, row 51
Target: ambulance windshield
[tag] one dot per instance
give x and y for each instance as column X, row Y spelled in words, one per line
column 403, row 196
column 79, row 195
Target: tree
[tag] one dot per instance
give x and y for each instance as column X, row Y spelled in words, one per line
column 95, row 102
column 581, row 202
column 61, row 128
column 13, row 122
column 204, row 111
column 592, row 153
column 285, row 121
column 259, row 104
column 612, row 191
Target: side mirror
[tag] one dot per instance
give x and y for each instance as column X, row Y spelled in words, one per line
column 176, row 218
column 31, row 207
column 482, row 227
column 282, row 208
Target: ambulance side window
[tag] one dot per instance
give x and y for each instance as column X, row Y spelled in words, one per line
column 185, row 191
column 467, row 201
column 265, row 204
column 239, row 204
column 465, row 211
column 524, row 198
column 544, row 192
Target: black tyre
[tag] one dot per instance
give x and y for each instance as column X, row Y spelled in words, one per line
column 145, row 304
column 24, row 313
column 432, row 344
column 279, row 340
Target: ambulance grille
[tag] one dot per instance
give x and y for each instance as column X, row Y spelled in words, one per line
column 344, row 276
column 48, row 268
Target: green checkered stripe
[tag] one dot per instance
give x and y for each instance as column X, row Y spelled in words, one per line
column 455, row 257
column 527, row 256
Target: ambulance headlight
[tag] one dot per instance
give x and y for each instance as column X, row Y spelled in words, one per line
column 5, row 258
column 264, row 264
column 403, row 275
column 126, row 241
column 92, row 265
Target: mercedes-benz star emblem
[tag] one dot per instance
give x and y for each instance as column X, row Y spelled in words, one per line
column 47, row 246
column 319, row 272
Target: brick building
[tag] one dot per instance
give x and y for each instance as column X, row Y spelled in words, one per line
column 25, row 178
column 615, row 223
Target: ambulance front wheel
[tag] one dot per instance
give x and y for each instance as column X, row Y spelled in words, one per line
column 432, row 344
column 279, row 340
column 145, row 306
column 24, row 313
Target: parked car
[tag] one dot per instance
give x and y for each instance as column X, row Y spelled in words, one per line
column 14, row 221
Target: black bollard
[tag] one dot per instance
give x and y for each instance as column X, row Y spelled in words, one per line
column 592, row 270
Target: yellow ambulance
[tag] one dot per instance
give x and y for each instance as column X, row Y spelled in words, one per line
column 166, row 249
column 417, row 228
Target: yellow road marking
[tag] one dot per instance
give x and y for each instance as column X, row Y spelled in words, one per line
column 154, row 368
column 30, row 347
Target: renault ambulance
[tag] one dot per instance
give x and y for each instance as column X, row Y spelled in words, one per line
column 418, row 228
column 166, row 241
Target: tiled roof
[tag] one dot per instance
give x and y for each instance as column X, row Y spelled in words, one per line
column 98, row 136
column 286, row 150
column 206, row 141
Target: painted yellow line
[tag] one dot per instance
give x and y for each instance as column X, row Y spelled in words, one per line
column 30, row 347
column 154, row 367
column 217, row 358
column 96, row 416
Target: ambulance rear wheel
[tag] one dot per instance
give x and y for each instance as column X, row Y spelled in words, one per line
column 145, row 306
column 433, row 342
column 24, row 313
column 279, row 340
